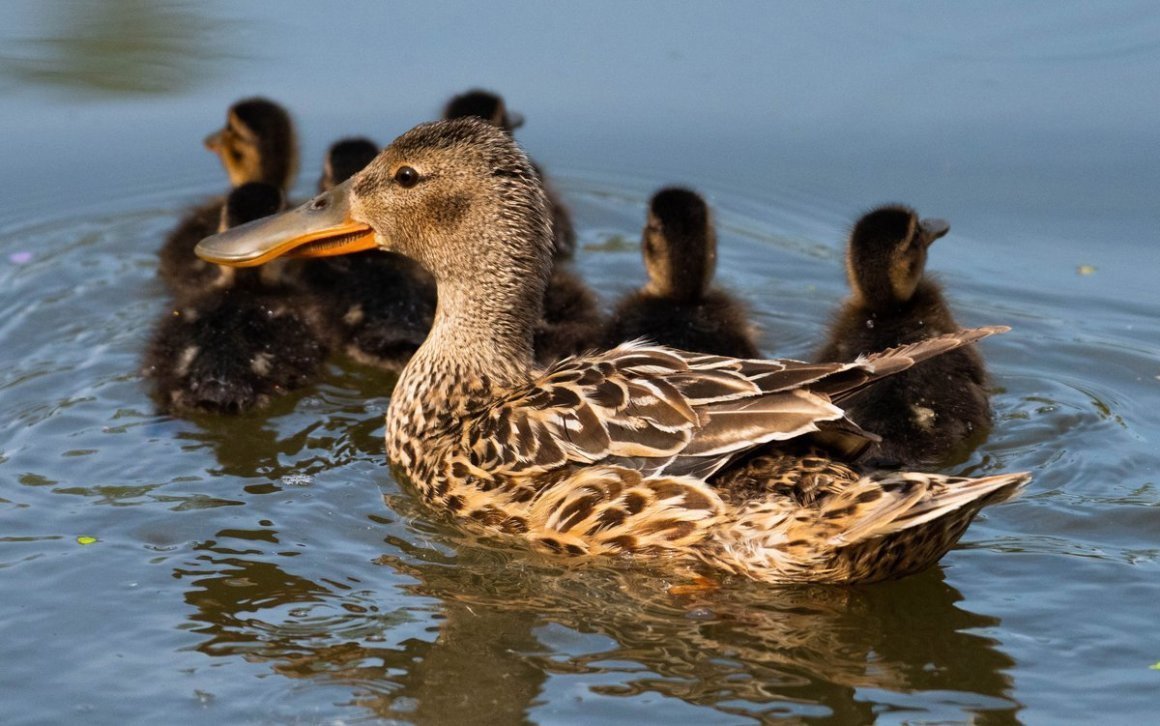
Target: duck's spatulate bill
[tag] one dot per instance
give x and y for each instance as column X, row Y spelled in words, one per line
column 321, row 227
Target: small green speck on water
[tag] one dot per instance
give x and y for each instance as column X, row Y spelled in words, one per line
column 84, row 539
column 1155, row 666
column 1086, row 270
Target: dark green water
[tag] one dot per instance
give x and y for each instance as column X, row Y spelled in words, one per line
column 266, row 568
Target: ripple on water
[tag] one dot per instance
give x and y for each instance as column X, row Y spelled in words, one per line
column 230, row 549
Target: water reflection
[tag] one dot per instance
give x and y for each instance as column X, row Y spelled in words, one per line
column 119, row 46
column 480, row 636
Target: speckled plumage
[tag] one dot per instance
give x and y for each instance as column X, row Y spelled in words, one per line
column 938, row 408
column 639, row 450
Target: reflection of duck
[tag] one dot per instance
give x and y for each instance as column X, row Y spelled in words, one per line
column 571, row 321
column 678, row 307
column 925, row 413
column 379, row 304
column 620, row 452
column 241, row 340
column 257, row 144
column 741, row 651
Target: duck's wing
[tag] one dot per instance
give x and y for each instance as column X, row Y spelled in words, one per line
column 664, row 411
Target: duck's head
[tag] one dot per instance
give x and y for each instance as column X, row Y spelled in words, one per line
column 459, row 197
column 344, row 159
column 257, row 143
column 679, row 245
column 485, row 105
column 886, row 256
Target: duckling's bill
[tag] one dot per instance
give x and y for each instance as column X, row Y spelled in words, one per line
column 321, row 227
column 932, row 229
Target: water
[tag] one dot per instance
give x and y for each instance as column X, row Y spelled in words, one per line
column 266, row 568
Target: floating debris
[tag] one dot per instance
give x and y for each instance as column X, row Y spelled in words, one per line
column 85, row 539
column 1086, row 270
column 20, row 258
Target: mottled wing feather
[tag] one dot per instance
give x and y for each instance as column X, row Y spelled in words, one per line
column 659, row 410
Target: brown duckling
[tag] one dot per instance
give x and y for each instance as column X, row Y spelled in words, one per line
column 236, row 344
column 928, row 412
column 571, row 322
column 379, row 305
column 257, row 144
column 678, row 307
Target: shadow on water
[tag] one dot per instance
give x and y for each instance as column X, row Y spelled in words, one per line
column 118, row 47
column 498, row 629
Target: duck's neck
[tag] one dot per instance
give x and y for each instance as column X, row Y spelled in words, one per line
column 479, row 345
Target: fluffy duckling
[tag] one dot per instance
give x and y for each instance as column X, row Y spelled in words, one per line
column 241, row 342
column 678, row 307
column 257, row 144
column 379, row 304
column 572, row 322
column 630, row 451
column 926, row 413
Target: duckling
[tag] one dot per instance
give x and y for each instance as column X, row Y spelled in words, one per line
column 634, row 450
column 239, row 343
column 379, row 304
column 677, row 307
column 257, row 144
column 926, row 413
column 571, row 322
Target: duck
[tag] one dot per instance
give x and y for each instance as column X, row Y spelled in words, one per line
column 378, row 305
column 737, row 466
column 240, row 343
column 257, row 144
column 571, row 321
column 926, row 414
column 678, row 306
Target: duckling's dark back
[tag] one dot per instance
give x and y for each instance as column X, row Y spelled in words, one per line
column 940, row 407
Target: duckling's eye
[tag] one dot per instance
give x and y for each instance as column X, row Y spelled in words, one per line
column 406, row 177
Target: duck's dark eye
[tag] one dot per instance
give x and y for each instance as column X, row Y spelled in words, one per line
column 406, row 177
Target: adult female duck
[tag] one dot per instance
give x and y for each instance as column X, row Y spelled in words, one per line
column 633, row 450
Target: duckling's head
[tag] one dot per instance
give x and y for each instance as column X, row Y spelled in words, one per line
column 344, row 159
column 886, row 256
column 679, row 245
column 257, row 143
column 250, row 201
column 485, row 105
column 459, row 197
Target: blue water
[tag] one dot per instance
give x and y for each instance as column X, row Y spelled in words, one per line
column 267, row 569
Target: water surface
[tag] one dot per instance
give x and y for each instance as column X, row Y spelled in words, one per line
column 266, row 568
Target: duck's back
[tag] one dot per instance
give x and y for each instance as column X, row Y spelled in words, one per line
column 928, row 412
column 231, row 350
column 715, row 323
